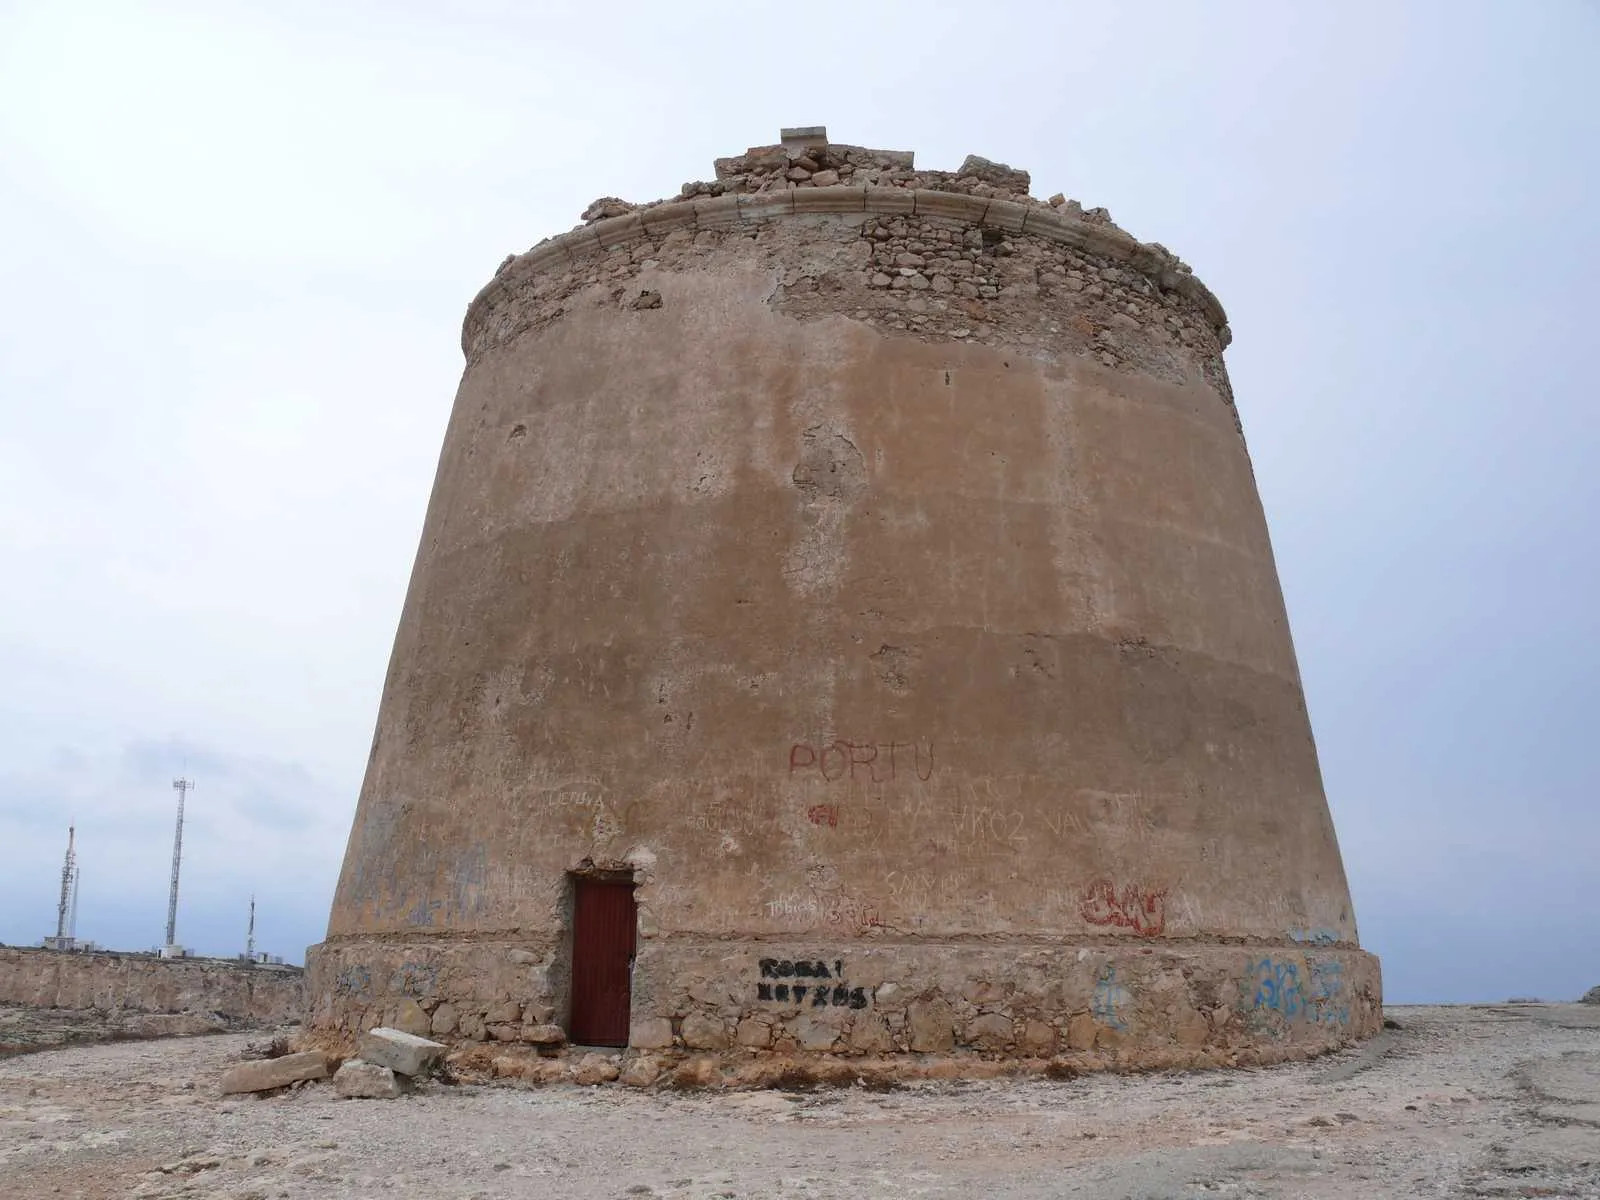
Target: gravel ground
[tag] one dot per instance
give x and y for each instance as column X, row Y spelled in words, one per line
column 1490, row 1101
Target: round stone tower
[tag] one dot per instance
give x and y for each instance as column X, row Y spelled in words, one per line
column 845, row 623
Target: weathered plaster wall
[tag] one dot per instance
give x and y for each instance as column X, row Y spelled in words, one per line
column 879, row 573
column 126, row 983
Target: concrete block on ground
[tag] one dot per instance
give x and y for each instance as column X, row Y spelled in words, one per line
column 359, row 1080
column 269, row 1073
column 404, row 1053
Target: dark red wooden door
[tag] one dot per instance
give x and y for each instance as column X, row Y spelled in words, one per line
column 603, row 930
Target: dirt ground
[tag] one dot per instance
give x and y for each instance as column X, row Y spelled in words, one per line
column 1483, row 1101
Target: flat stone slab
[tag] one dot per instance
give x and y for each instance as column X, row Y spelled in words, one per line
column 360, row 1080
column 269, row 1073
column 403, row 1053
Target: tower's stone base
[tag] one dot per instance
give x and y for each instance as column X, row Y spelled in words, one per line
column 1113, row 1002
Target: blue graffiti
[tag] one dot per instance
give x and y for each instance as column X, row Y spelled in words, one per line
column 1278, row 987
column 1327, row 1003
column 1109, row 998
column 422, row 911
column 469, row 880
column 353, row 980
column 415, row 979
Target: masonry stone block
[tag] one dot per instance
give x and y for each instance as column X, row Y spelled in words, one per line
column 717, row 212
column 359, row 1080
column 401, row 1052
column 268, row 1073
column 650, row 1033
column 701, row 1032
column 444, row 1020
column 754, row 1032
column 831, row 199
column 890, row 201
column 766, row 206
column 989, row 1031
column 932, row 1025
column 411, row 1018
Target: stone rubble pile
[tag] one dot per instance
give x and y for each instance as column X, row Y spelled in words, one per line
column 404, row 1053
column 387, row 1062
column 806, row 159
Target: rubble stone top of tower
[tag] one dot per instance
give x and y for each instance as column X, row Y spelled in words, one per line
column 803, row 157
column 805, row 173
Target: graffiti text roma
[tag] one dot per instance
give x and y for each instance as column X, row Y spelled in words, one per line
column 821, row 992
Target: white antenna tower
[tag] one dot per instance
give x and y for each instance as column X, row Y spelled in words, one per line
column 250, row 938
column 68, row 896
column 182, row 787
column 72, row 913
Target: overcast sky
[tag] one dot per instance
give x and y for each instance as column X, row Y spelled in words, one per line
column 237, row 241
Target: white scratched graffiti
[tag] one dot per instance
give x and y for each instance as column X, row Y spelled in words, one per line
column 826, row 905
column 871, row 762
column 565, row 793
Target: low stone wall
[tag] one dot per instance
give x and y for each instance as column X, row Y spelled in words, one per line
column 1096, row 1003
column 134, row 983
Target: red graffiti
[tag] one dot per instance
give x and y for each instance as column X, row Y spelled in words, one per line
column 871, row 762
column 824, row 814
column 849, row 913
column 1142, row 910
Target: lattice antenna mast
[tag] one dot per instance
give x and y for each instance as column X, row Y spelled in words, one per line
column 72, row 913
column 68, row 871
column 250, row 938
column 182, row 787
